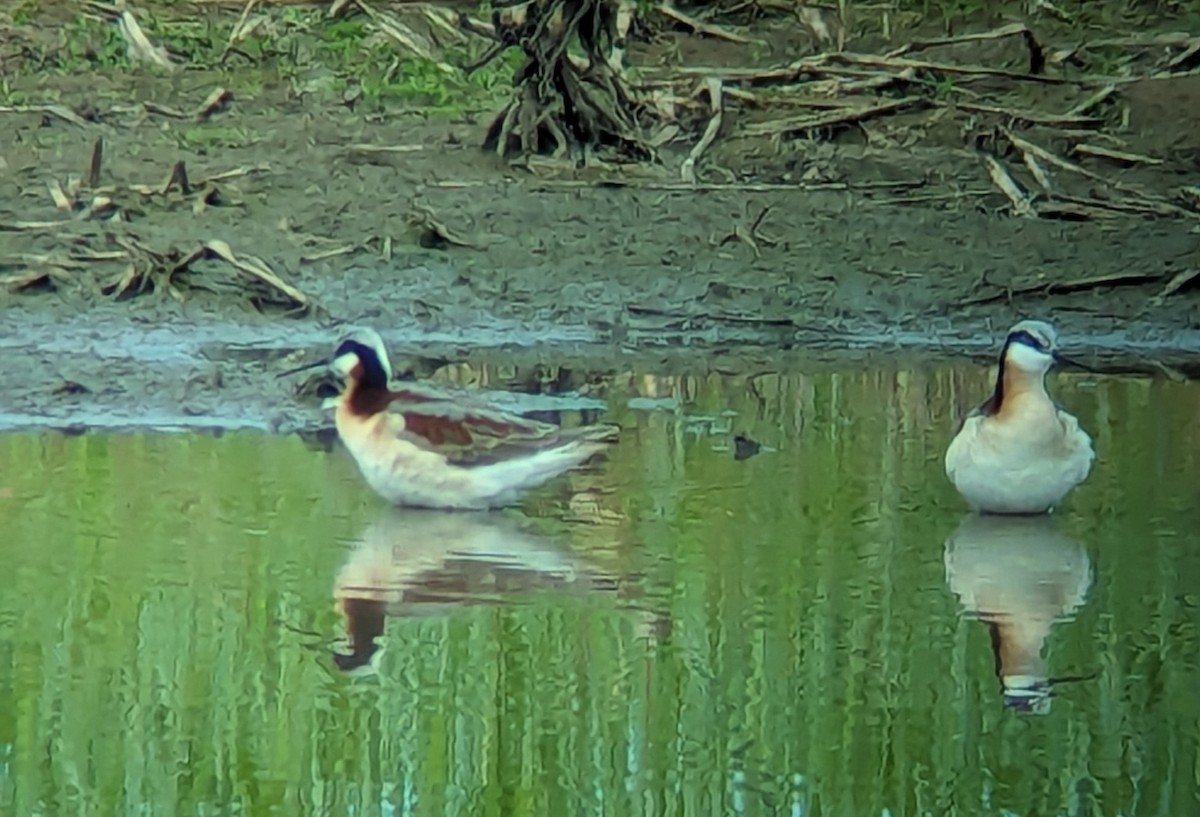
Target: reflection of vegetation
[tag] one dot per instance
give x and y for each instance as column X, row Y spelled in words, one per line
column 815, row 646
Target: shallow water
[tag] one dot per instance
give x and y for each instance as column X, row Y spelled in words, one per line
column 191, row 622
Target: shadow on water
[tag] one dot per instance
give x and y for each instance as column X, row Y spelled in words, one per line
column 766, row 599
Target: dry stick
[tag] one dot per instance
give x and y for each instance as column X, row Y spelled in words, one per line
column 62, row 112
column 700, row 27
column 235, row 35
column 24, row 226
column 681, row 187
column 139, row 44
column 1152, row 41
column 1093, row 101
column 1186, row 57
column 80, row 259
column 1038, row 172
column 1177, row 283
column 1065, row 287
column 1069, row 119
column 925, row 197
column 1047, row 6
column 788, row 73
column 840, row 117
column 162, row 110
column 212, row 103
column 1139, row 208
column 61, row 200
column 256, row 269
column 1009, row 187
column 1150, row 202
column 403, row 35
column 1010, row 30
column 363, row 147
column 1115, row 155
column 688, row 170
column 1190, row 194
column 626, row 9
column 814, row 18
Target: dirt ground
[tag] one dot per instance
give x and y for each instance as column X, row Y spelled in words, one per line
column 889, row 238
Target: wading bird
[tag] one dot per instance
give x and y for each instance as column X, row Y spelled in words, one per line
column 416, row 447
column 1019, row 452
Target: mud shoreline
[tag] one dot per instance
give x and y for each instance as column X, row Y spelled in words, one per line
column 885, row 245
column 104, row 370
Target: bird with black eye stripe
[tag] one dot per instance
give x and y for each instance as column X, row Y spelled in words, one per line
column 420, row 446
column 1020, row 452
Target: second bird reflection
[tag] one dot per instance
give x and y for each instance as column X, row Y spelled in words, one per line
column 412, row 562
column 1020, row 575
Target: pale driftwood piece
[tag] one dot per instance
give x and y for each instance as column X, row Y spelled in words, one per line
column 1021, row 206
column 688, row 170
column 212, row 103
column 1120, row 156
column 825, row 93
column 139, row 45
column 1186, row 57
column 239, row 30
column 1178, row 282
column 1093, row 101
column 1038, row 172
column 61, row 111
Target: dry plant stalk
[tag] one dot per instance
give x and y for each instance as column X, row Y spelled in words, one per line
column 699, row 26
column 712, row 87
column 1007, row 185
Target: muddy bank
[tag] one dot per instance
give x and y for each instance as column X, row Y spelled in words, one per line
column 885, row 243
column 103, row 370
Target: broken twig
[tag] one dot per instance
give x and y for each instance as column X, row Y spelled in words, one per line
column 713, row 87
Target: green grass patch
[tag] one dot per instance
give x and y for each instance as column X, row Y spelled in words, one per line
column 298, row 47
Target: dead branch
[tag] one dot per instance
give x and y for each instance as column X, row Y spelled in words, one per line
column 699, row 26
column 845, row 116
column 713, row 88
column 1114, row 279
column 61, row 111
column 1037, row 57
column 1004, row 181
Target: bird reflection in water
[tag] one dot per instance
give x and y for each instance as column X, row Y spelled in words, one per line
column 1020, row 575
column 412, row 562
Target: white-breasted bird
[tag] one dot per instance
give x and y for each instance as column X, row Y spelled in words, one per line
column 1019, row 452
column 418, row 448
